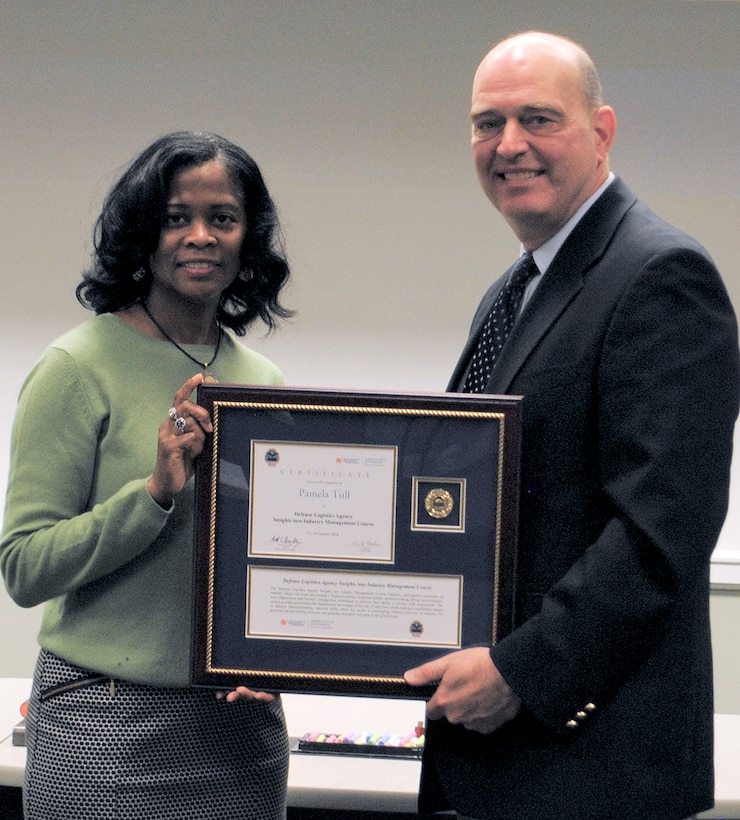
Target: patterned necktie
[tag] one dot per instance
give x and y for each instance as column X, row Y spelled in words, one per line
column 498, row 324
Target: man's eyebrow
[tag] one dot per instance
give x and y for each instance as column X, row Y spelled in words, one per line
column 488, row 112
column 525, row 110
column 542, row 108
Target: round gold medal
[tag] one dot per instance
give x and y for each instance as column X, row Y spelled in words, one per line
column 438, row 503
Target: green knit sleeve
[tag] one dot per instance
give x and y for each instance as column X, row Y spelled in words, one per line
column 55, row 539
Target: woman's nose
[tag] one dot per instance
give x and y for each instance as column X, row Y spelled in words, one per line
column 200, row 234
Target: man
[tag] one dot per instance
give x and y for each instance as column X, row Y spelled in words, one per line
column 598, row 704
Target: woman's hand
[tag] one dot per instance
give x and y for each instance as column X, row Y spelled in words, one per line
column 243, row 693
column 181, row 439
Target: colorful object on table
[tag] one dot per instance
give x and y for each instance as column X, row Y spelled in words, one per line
column 365, row 744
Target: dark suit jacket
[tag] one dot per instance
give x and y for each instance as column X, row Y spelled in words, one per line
column 627, row 358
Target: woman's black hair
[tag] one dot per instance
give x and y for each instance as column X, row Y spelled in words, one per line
column 127, row 232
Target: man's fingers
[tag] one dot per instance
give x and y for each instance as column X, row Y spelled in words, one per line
column 426, row 673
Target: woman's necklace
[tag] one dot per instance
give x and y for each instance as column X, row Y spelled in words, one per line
column 208, row 377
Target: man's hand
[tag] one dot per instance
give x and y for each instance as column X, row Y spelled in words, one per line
column 471, row 690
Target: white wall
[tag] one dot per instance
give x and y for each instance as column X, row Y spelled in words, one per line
column 356, row 111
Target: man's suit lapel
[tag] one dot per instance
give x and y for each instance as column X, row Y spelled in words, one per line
column 565, row 277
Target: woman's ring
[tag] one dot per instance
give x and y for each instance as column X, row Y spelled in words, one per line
column 180, row 423
column 172, row 413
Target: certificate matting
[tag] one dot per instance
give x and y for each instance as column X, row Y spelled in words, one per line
column 342, row 590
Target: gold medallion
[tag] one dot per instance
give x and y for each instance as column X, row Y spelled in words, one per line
column 209, row 378
column 438, row 503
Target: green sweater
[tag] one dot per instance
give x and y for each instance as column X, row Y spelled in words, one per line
column 81, row 531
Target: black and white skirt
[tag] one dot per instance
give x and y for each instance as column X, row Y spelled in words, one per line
column 123, row 751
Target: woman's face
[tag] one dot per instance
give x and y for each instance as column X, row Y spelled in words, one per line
column 199, row 251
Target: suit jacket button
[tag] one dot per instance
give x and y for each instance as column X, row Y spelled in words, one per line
column 581, row 715
column 571, row 724
column 590, row 707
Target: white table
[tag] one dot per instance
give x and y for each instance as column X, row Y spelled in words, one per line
column 726, row 768
column 338, row 782
column 334, row 782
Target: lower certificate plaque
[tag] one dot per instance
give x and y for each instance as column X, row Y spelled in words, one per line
column 344, row 537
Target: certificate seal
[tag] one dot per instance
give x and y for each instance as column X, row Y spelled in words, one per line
column 438, row 503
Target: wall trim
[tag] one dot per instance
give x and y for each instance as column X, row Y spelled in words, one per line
column 724, row 570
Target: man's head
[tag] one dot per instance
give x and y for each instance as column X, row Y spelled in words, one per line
column 540, row 133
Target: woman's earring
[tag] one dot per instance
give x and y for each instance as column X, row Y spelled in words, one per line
column 139, row 274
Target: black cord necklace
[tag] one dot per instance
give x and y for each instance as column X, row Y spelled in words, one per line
column 208, row 377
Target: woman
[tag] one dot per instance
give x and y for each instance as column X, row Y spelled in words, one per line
column 99, row 509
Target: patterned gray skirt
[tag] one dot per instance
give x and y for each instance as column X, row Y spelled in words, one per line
column 122, row 751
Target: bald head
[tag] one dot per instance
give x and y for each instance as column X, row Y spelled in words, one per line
column 560, row 48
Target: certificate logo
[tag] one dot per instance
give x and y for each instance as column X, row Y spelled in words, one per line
column 416, row 629
column 272, row 457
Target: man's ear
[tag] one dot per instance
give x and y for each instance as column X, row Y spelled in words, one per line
column 605, row 128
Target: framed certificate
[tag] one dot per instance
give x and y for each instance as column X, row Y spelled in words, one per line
column 344, row 537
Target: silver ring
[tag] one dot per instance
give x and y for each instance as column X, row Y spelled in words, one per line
column 172, row 413
column 180, row 423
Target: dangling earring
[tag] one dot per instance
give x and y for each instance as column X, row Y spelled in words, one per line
column 139, row 274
